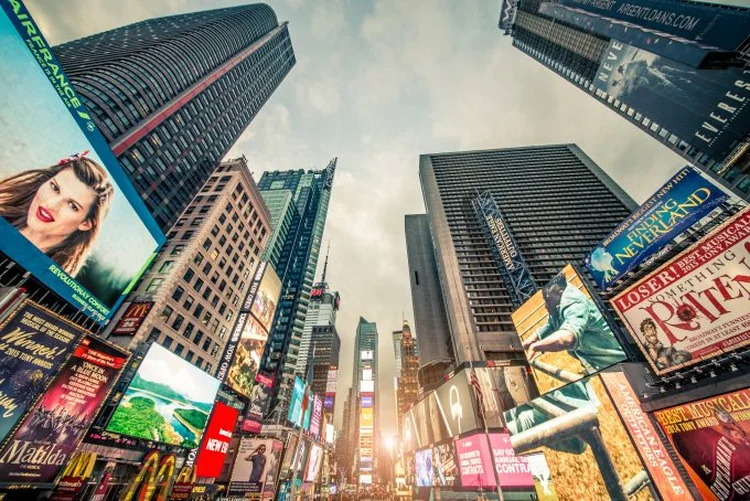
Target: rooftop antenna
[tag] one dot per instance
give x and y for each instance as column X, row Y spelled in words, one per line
column 325, row 265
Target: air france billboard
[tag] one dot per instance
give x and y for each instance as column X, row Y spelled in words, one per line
column 680, row 203
column 68, row 212
column 708, row 109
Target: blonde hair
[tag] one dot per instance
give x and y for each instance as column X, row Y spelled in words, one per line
column 17, row 192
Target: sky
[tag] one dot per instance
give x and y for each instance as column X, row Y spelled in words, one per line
column 377, row 84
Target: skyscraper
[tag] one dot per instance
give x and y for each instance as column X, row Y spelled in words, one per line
column 557, row 204
column 408, row 377
column 430, row 320
column 189, row 299
column 365, row 379
column 299, row 246
column 646, row 62
column 172, row 95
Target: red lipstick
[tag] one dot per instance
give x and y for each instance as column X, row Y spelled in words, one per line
column 44, row 215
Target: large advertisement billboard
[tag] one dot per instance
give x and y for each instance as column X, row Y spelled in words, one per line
column 423, row 467
column 216, row 442
column 168, row 400
column 475, row 462
column 660, row 467
column 317, row 414
column 695, row 306
column 62, row 416
column 34, row 342
column 562, row 329
column 576, row 427
column 314, row 463
column 445, row 468
column 255, row 467
column 456, row 406
column 706, row 108
column 722, row 28
column 295, row 405
column 712, row 439
column 69, row 213
column 262, row 301
column 131, row 320
column 681, row 202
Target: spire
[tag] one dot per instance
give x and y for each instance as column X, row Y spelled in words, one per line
column 325, row 265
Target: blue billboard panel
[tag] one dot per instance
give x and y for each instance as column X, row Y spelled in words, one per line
column 722, row 28
column 366, row 400
column 295, row 406
column 707, row 108
column 68, row 212
column 676, row 206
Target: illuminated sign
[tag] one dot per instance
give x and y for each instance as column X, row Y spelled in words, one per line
column 216, row 444
column 366, row 401
column 367, row 386
column 366, row 355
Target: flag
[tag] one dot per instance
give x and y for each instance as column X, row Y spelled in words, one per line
column 478, row 392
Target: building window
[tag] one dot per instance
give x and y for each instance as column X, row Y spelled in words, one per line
column 198, row 311
column 165, row 314
column 154, row 285
column 177, row 250
column 189, row 356
column 198, row 285
column 177, row 294
column 207, row 244
column 179, row 319
column 179, row 349
column 198, row 259
column 166, row 266
column 189, row 302
column 189, row 330
column 167, row 342
column 189, row 274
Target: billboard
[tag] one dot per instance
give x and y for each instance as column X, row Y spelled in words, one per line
column 512, row 470
column 661, row 469
column 314, row 463
column 681, row 202
column 70, row 215
column 266, row 298
column 62, row 416
column 216, row 443
column 168, row 400
column 34, row 342
column 694, row 306
column 260, row 396
column 247, row 359
column 455, row 402
column 366, row 401
column 543, row 482
column 367, row 386
column 503, row 388
column 716, row 118
column 567, row 425
column 562, row 328
column 307, row 405
column 366, row 418
column 712, row 439
column 317, row 413
column 445, row 468
column 474, row 462
column 131, row 320
column 722, row 28
column 295, row 405
column 255, row 466
column 423, row 467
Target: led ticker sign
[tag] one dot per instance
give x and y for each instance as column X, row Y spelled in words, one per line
column 317, row 292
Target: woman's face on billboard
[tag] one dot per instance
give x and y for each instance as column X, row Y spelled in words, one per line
column 60, row 207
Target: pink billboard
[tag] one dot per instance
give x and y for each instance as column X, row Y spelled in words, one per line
column 512, row 470
column 474, row 462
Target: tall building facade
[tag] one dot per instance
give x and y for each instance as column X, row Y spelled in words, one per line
column 191, row 295
column 365, row 379
column 645, row 62
column 557, row 203
column 407, row 389
column 172, row 95
column 296, row 262
column 430, row 320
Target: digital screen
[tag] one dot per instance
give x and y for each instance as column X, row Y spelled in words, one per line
column 216, row 444
column 295, row 406
column 68, row 212
column 423, row 465
column 169, row 400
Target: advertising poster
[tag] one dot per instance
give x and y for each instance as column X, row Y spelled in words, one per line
column 694, row 306
column 512, row 470
column 317, row 413
column 272, row 474
column 675, row 207
column 503, row 388
column 216, row 443
column 543, row 484
column 68, row 212
column 707, row 108
column 423, row 467
column 307, row 404
column 444, row 467
column 455, row 403
column 588, row 417
column 295, row 406
column 63, row 415
column 169, row 400
column 131, row 320
column 247, row 359
column 260, row 396
column 712, row 439
column 254, row 466
column 267, row 298
column 474, row 462
column 660, row 467
column 34, row 342
column 561, row 328
column 289, row 452
column 314, row 464
column 722, row 28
